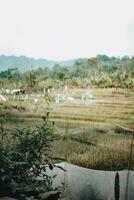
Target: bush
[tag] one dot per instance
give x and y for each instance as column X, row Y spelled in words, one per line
column 24, row 159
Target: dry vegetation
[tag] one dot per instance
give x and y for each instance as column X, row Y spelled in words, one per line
column 89, row 135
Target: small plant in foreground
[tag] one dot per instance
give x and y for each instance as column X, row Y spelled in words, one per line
column 23, row 162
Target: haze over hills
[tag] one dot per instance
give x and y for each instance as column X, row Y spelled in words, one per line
column 24, row 63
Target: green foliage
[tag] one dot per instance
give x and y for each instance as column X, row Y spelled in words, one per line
column 31, row 79
column 10, row 74
column 23, row 161
column 99, row 71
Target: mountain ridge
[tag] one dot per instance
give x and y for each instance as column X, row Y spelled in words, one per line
column 24, row 63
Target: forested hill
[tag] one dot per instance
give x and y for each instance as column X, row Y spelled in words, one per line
column 100, row 71
column 24, row 63
column 82, row 65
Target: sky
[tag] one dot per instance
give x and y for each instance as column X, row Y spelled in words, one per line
column 66, row 29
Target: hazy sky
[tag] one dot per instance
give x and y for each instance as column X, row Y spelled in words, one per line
column 65, row 29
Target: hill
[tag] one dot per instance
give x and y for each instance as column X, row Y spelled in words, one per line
column 24, row 63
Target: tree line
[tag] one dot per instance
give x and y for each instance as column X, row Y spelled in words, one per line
column 99, row 71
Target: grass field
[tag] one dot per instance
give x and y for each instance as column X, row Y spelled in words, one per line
column 90, row 133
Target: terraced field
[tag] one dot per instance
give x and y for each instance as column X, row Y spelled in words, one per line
column 91, row 133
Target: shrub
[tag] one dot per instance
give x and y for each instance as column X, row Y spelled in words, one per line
column 24, row 159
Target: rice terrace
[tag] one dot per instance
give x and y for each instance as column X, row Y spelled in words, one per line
column 93, row 129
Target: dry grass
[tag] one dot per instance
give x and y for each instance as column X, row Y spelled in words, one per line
column 89, row 130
